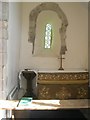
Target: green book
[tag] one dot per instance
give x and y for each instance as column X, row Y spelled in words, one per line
column 25, row 101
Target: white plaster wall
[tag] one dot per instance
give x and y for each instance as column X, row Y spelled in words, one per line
column 13, row 45
column 52, row 18
column 77, row 39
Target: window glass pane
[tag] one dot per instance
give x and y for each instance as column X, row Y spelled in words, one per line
column 48, row 37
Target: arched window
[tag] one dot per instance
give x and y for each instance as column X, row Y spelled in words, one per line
column 61, row 29
column 48, row 36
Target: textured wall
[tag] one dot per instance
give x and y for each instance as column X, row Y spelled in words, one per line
column 3, row 51
column 76, row 41
column 3, row 46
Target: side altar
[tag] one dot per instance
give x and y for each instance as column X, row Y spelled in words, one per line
column 62, row 85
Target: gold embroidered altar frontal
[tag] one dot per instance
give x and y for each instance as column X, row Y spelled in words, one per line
column 62, row 85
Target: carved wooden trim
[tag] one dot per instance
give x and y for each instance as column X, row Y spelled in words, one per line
column 33, row 18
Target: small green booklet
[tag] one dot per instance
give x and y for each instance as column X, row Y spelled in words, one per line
column 25, row 101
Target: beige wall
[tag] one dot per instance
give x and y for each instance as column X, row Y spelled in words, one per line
column 13, row 45
column 77, row 39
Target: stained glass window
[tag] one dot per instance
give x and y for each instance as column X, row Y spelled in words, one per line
column 48, row 36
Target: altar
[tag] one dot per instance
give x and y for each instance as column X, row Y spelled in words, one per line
column 51, row 84
column 62, row 84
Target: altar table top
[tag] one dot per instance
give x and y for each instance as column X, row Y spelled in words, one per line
column 46, row 104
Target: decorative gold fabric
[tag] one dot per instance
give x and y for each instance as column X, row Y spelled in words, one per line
column 62, row 85
column 63, row 76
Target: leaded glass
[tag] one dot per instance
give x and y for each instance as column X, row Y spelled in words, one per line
column 48, row 36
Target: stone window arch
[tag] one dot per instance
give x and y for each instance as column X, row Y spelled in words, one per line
column 33, row 20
